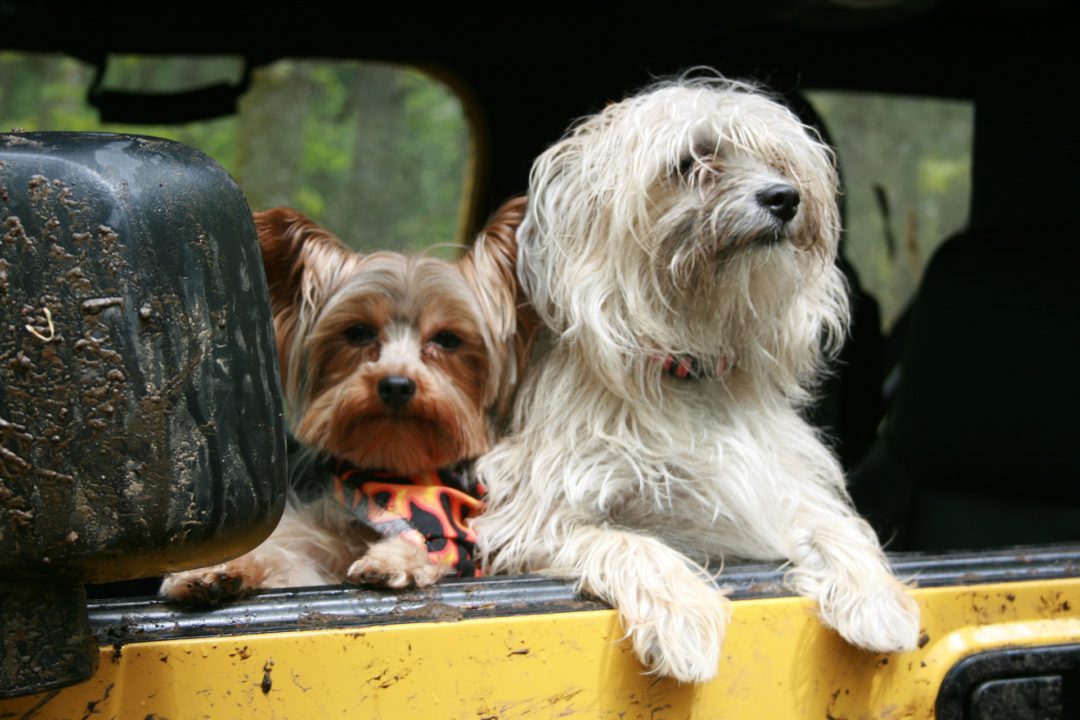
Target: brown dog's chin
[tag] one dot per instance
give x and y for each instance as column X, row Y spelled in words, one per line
column 400, row 444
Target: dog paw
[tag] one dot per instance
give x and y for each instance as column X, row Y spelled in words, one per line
column 884, row 620
column 396, row 563
column 212, row 585
column 682, row 639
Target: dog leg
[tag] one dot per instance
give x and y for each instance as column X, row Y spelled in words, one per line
column 211, row 585
column 396, row 563
column 838, row 562
column 293, row 556
column 671, row 611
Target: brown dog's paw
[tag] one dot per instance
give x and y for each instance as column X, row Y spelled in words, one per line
column 213, row 585
column 396, row 563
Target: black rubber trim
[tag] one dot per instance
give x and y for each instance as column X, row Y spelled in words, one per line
column 143, row 619
column 967, row 675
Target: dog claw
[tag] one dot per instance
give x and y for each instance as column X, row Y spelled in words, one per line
column 885, row 621
column 396, row 563
column 206, row 586
column 683, row 644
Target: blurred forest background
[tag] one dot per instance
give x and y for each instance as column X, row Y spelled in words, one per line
column 377, row 154
column 382, row 155
column 905, row 164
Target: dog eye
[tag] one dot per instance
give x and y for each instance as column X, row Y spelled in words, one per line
column 702, row 153
column 360, row 334
column 686, row 164
column 446, row 340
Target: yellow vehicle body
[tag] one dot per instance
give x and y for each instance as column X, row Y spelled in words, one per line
column 779, row 662
column 461, row 650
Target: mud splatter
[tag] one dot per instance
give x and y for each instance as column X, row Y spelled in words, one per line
column 267, row 682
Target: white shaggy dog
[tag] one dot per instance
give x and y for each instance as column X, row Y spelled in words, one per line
column 679, row 250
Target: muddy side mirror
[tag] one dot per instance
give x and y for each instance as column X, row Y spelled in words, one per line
column 141, row 424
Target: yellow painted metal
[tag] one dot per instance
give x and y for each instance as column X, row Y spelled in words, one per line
column 779, row 662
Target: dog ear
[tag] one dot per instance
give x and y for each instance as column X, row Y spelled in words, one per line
column 490, row 267
column 295, row 254
column 286, row 238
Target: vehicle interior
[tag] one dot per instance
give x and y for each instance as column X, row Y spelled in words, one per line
column 953, row 404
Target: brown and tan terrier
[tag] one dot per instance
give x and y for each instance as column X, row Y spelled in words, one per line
column 397, row 370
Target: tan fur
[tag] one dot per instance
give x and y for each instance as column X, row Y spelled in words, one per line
column 345, row 323
column 395, row 563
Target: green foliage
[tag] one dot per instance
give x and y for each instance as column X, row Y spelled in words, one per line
column 376, row 153
column 918, row 152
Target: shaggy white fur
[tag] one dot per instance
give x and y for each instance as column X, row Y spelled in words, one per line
column 696, row 219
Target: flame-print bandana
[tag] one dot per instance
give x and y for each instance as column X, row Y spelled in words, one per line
column 430, row 509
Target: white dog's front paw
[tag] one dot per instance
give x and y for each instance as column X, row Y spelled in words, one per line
column 682, row 638
column 884, row 620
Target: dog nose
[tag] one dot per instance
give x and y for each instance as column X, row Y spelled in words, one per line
column 396, row 391
column 781, row 200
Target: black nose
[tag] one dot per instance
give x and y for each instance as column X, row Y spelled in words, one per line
column 396, row 391
column 781, row 200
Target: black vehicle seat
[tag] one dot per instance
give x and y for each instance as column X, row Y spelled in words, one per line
column 981, row 445
column 850, row 403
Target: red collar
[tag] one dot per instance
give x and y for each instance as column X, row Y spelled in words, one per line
column 688, row 367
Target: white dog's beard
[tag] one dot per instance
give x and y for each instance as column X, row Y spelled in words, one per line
column 694, row 221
